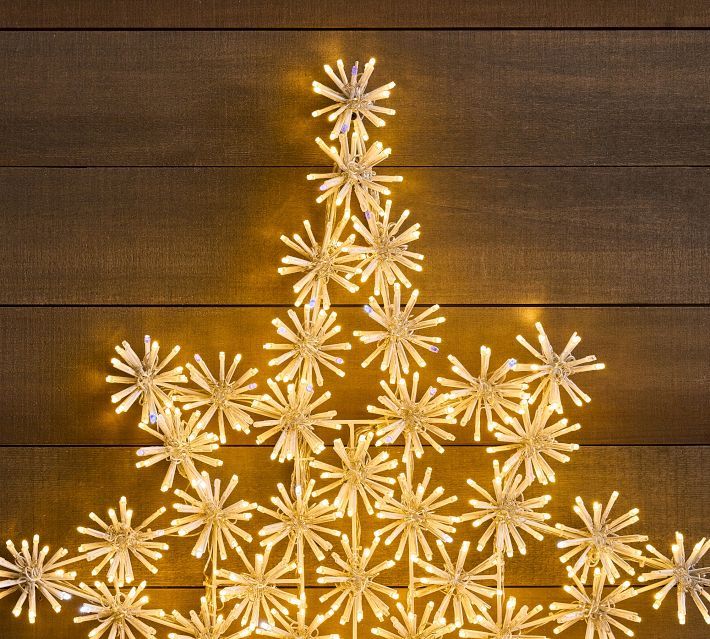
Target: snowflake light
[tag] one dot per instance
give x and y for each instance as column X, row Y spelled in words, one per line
column 414, row 515
column 682, row 573
column 600, row 543
column 33, row 575
column 183, row 443
column 489, row 393
column 307, row 347
column 204, row 625
column 354, row 172
column 287, row 628
column 409, row 626
column 294, row 419
column 556, row 370
column 223, row 395
column 118, row 540
column 319, row 263
column 399, row 338
column 386, row 249
column 359, row 476
column 508, row 624
column 596, row 608
column 258, row 590
column 145, row 379
column 353, row 102
column 353, row 580
column 532, row 441
column 418, row 421
column 507, row 513
column 217, row 522
column 462, row 589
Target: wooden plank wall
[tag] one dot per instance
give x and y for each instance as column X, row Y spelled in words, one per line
column 556, row 154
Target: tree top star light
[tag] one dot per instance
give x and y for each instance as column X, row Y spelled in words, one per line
column 357, row 504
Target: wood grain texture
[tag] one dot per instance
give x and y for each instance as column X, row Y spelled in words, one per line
column 661, row 624
column 490, row 236
column 463, row 97
column 53, row 362
column 665, row 483
column 341, row 14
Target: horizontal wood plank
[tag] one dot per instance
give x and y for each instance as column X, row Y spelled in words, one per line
column 490, row 236
column 463, row 98
column 51, row 490
column 221, row 14
column 53, row 362
column 660, row 624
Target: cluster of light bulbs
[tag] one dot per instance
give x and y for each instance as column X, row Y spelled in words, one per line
column 262, row 595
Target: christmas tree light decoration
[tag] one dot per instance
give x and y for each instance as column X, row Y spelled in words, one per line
column 597, row 609
column 462, row 589
column 183, row 443
column 399, row 339
column 224, row 396
column 600, row 542
column 508, row 624
column 353, row 102
column 490, row 393
column 146, row 380
column 306, row 347
column 204, row 625
column 301, row 522
column 120, row 614
column 508, row 513
column 33, row 575
column 532, row 441
column 209, row 513
column 119, row 539
column 354, row 172
column 287, row 628
column 354, row 580
column 293, row 419
column 259, row 589
column 359, row 476
column 679, row 572
column 413, row 516
column 556, row 370
column 418, row 421
column 320, row 263
column 410, row 627
column 386, row 248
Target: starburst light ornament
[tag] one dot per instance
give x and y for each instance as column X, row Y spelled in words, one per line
column 294, row 419
column 509, row 623
column 531, row 442
column 354, row 172
column 463, row 589
column 507, row 513
column 409, row 626
column 307, row 347
column 34, row 574
column 320, row 263
column 146, row 380
column 208, row 513
column 288, row 628
column 490, row 393
column 119, row 540
column 204, row 625
column 224, row 395
column 353, row 103
column 259, row 589
column 359, row 477
column 386, row 250
column 399, row 337
column 600, row 543
column 597, row 608
column 414, row 515
column 556, row 370
column 118, row 614
column 682, row 573
column 353, row 582
column 418, row 421
column 183, row 444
